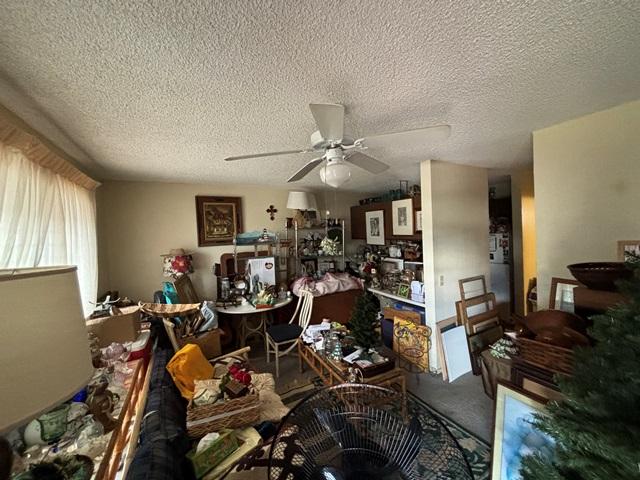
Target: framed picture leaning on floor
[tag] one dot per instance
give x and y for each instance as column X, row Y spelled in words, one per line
column 514, row 434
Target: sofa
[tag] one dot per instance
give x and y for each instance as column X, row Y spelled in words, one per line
column 163, row 440
column 336, row 306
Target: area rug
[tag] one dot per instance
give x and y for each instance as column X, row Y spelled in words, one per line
column 477, row 452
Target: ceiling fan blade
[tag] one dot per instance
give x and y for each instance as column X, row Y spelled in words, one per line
column 428, row 134
column 300, row 174
column 329, row 118
column 270, row 154
column 366, row 162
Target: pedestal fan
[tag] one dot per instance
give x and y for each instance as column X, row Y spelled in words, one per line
column 357, row 431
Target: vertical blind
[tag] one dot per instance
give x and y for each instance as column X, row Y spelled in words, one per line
column 46, row 220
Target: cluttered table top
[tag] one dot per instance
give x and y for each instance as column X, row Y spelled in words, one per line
column 248, row 308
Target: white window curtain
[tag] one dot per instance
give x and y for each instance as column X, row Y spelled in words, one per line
column 46, row 220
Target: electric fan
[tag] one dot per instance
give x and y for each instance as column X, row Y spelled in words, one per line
column 358, row 431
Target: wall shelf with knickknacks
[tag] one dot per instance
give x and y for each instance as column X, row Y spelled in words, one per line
column 318, row 252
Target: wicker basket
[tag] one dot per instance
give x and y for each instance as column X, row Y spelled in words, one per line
column 544, row 355
column 234, row 413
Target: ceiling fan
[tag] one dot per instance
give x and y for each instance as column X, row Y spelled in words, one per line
column 338, row 150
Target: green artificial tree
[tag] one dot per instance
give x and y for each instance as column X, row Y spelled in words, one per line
column 363, row 321
column 597, row 426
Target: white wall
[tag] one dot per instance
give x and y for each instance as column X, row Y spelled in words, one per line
column 456, row 199
column 138, row 221
column 587, row 189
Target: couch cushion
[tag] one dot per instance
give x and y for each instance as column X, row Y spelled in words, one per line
column 282, row 333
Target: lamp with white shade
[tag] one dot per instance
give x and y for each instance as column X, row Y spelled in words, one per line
column 45, row 357
column 302, row 202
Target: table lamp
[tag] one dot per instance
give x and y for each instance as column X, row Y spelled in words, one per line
column 302, row 202
column 44, row 349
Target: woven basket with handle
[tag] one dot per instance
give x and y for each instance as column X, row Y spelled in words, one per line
column 233, row 413
column 547, row 356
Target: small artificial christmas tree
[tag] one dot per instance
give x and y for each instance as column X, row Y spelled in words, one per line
column 363, row 321
column 597, row 426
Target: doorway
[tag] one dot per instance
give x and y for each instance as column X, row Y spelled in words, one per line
column 501, row 244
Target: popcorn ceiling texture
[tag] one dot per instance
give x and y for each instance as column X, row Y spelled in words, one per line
column 164, row 90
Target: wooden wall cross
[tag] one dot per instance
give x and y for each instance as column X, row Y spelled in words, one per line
column 272, row 212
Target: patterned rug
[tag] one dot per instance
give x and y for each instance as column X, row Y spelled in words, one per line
column 476, row 451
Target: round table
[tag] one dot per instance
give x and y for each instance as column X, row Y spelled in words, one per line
column 246, row 310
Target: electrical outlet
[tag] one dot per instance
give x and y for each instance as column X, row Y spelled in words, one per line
column 442, row 280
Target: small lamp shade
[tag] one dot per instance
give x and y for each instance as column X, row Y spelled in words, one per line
column 44, row 351
column 302, row 201
column 177, row 263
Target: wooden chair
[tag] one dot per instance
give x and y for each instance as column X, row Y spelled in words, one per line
column 241, row 354
column 171, row 333
column 287, row 335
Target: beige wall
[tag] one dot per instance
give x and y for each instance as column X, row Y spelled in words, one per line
column 455, row 234
column 138, row 221
column 587, row 190
column 524, row 235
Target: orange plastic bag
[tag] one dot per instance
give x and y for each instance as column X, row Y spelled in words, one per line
column 188, row 365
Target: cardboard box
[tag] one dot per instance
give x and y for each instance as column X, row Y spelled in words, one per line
column 215, row 453
column 209, row 342
column 116, row 328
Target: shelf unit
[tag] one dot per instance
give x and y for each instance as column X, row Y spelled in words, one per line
column 326, row 229
column 384, row 293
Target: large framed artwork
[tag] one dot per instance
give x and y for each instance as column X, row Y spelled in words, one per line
column 402, row 216
column 219, row 220
column 514, row 433
column 375, row 227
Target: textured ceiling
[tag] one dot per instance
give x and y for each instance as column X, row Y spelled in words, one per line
column 163, row 90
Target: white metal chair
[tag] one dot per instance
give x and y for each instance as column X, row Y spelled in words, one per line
column 287, row 334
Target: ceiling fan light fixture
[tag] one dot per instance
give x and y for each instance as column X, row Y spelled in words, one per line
column 335, row 173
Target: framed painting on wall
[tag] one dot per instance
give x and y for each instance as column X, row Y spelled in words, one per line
column 418, row 221
column 375, row 227
column 626, row 248
column 219, row 219
column 402, row 216
column 514, row 433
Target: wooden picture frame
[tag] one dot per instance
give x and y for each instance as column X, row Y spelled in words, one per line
column 219, row 219
column 418, row 221
column 625, row 246
column 404, row 290
column 310, row 265
column 556, row 286
column 185, row 290
column 513, row 414
column 374, row 224
column 402, row 217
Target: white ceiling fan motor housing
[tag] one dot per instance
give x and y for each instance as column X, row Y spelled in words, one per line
column 319, row 143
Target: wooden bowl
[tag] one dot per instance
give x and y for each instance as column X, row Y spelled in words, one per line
column 563, row 337
column 546, row 320
column 600, row 275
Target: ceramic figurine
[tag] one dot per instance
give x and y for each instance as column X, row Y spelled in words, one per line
column 101, row 403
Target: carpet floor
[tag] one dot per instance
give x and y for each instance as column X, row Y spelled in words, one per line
column 476, row 451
